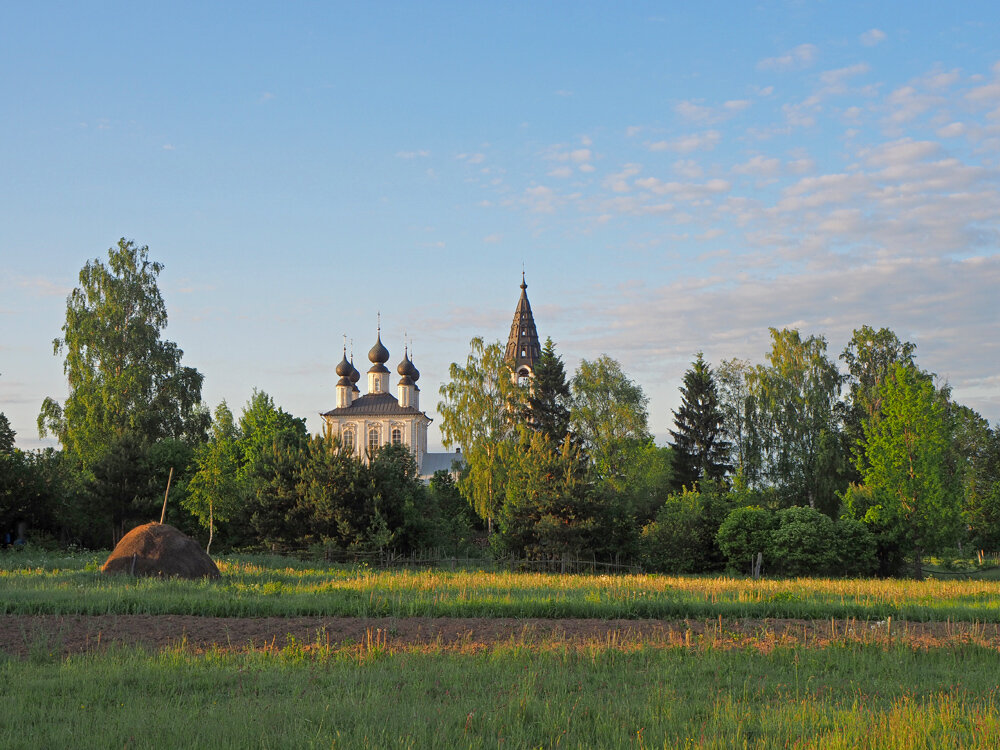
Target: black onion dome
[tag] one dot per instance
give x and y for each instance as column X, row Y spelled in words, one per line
column 345, row 368
column 406, row 368
column 378, row 353
column 355, row 376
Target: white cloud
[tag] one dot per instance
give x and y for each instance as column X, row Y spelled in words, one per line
column 706, row 140
column 688, row 169
column 477, row 158
column 685, row 191
column 759, row 166
column 951, row 130
column 633, row 130
column 618, row 183
column 692, row 111
column 492, row 238
column 837, row 78
column 541, row 199
column 421, row 154
column 801, row 57
column 586, row 167
column 561, row 172
column 168, row 147
column 872, row 37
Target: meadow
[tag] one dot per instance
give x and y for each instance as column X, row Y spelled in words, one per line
column 842, row 692
column 261, row 586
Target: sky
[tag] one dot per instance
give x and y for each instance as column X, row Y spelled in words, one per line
column 670, row 177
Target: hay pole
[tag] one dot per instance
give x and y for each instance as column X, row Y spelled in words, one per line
column 163, row 513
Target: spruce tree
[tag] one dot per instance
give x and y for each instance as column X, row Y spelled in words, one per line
column 548, row 402
column 700, row 450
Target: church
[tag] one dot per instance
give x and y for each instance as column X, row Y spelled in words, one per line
column 365, row 423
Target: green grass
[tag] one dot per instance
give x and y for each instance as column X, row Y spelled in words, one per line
column 42, row 583
column 507, row 696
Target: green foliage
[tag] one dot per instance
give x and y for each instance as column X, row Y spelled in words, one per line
column 804, row 543
column 745, row 533
column 700, row 450
column 885, row 527
column 857, row 548
column 548, row 510
column 123, row 378
column 548, row 401
column 476, row 414
column 795, row 400
column 905, row 464
column 682, row 539
column 870, row 357
column 648, row 478
column 608, row 416
column 737, row 407
column 215, row 491
column 982, row 494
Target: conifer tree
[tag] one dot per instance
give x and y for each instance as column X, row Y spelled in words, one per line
column 548, row 402
column 700, row 450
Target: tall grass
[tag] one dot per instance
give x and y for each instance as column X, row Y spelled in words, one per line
column 850, row 696
column 271, row 586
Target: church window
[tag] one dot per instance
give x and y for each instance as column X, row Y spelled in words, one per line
column 397, row 436
column 348, row 440
column 524, row 352
column 373, row 440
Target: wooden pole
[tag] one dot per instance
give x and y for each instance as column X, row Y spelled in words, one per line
column 163, row 514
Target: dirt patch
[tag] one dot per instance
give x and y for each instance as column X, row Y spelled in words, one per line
column 21, row 635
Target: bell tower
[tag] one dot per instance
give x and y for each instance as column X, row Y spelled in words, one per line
column 523, row 349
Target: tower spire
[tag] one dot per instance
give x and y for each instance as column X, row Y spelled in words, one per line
column 523, row 349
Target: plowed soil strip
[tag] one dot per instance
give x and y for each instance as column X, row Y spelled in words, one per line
column 21, row 635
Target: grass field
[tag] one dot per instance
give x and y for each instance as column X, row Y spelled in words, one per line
column 270, row 586
column 877, row 694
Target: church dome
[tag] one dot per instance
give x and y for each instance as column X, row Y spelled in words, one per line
column 406, row 368
column 378, row 354
column 345, row 368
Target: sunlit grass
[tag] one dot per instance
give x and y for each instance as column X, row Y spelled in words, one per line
column 267, row 585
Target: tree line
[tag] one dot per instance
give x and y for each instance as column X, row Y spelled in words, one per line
column 790, row 461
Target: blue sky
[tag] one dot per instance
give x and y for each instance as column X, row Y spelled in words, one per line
column 672, row 177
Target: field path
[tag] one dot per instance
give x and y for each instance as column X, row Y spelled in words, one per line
column 21, row 635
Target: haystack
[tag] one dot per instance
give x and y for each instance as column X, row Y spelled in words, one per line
column 158, row 549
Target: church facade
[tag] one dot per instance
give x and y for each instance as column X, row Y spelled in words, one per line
column 365, row 423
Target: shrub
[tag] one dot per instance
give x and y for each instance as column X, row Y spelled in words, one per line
column 744, row 533
column 804, row 543
column 671, row 543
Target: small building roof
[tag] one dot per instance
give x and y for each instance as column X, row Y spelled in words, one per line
column 433, row 462
column 373, row 405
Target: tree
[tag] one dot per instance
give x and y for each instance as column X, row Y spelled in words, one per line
column 477, row 410
column 608, row 416
column 548, row 401
column 905, row 463
column 982, row 493
column 870, row 357
column 796, row 399
column 214, row 492
column 700, row 450
column 123, row 377
column 737, row 406
column 682, row 539
column 548, row 510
